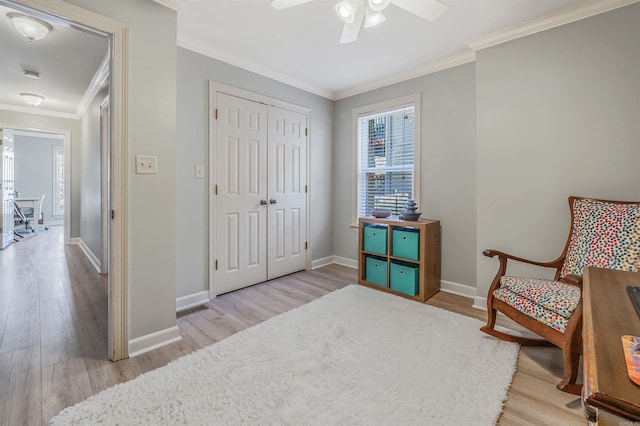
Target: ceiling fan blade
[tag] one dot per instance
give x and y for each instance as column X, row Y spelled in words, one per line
column 426, row 9
column 283, row 4
column 350, row 31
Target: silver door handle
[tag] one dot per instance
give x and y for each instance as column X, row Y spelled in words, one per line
column 272, row 201
column 263, row 202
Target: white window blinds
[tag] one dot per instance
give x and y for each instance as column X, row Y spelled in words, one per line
column 386, row 145
column 58, row 180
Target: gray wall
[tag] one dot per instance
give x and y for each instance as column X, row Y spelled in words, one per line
column 151, row 114
column 194, row 72
column 558, row 115
column 34, row 167
column 20, row 120
column 447, row 165
column 90, row 177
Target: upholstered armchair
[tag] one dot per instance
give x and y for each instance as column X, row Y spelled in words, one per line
column 605, row 234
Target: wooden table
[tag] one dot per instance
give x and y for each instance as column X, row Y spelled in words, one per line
column 609, row 395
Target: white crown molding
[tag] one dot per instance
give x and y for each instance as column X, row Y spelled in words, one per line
column 39, row 111
column 547, row 22
column 99, row 78
column 44, row 135
column 440, row 65
column 198, row 46
column 527, row 28
column 176, row 5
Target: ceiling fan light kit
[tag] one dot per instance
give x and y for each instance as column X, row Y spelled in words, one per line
column 368, row 13
column 346, row 10
column 378, row 5
column 373, row 18
column 29, row 27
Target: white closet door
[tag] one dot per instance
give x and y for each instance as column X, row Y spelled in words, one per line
column 287, row 182
column 241, row 176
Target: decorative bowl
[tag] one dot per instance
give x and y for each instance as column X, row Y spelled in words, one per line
column 410, row 216
column 380, row 213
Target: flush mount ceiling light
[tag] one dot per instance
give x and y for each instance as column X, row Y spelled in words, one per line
column 34, row 75
column 356, row 12
column 32, row 99
column 31, row 28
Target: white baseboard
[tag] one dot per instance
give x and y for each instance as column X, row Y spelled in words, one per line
column 480, row 303
column 345, row 261
column 53, row 222
column 459, row 289
column 87, row 252
column 152, row 341
column 446, row 286
column 338, row 260
column 319, row 263
column 192, row 300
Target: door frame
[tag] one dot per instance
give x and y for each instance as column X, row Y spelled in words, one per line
column 217, row 87
column 66, row 134
column 105, row 172
column 118, row 34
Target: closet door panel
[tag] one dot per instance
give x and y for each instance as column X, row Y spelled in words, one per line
column 241, row 175
column 286, row 187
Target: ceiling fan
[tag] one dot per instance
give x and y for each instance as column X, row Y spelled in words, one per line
column 356, row 12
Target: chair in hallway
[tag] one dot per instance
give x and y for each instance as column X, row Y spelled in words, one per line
column 27, row 212
column 605, row 234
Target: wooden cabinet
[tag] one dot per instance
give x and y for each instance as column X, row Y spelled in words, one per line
column 400, row 256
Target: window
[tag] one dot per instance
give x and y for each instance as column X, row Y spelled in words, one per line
column 386, row 139
column 58, row 180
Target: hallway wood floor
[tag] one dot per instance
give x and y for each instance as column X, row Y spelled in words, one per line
column 53, row 334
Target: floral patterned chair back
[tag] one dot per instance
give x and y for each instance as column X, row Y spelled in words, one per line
column 605, row 235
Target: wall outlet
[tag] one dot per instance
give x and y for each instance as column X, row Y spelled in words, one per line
column 199, row 170
column 146, row 164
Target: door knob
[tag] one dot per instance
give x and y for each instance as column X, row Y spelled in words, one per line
column 263, row 202
column 272, row 201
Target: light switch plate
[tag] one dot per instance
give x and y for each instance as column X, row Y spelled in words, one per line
column 146, row 164
column 199, row 170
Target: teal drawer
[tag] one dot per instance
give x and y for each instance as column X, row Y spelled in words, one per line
column 376, row 272
column 405, row 278
column 375, row 239
column 406, row 243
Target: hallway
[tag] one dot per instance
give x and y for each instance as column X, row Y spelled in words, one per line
column 53, row 327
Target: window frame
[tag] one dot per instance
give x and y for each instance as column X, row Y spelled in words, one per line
column 377, row 108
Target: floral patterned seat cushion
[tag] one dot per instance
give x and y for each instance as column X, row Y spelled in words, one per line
column 550, row 302
column 605, row 235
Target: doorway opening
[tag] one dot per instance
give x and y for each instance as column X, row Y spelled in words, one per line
column 89, row 222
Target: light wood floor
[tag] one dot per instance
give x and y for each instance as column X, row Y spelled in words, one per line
column 53, row 333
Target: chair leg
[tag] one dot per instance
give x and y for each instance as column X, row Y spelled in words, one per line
column 490, row 329
column 491, row 318
column 571, row 363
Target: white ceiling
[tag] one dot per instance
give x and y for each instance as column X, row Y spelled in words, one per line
column 67, row 60
column 298, row 46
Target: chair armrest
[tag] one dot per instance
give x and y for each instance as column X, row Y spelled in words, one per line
column 492, row 253
column 572, row 279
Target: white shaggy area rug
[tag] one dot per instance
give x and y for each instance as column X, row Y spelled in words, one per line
column 356, row 356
